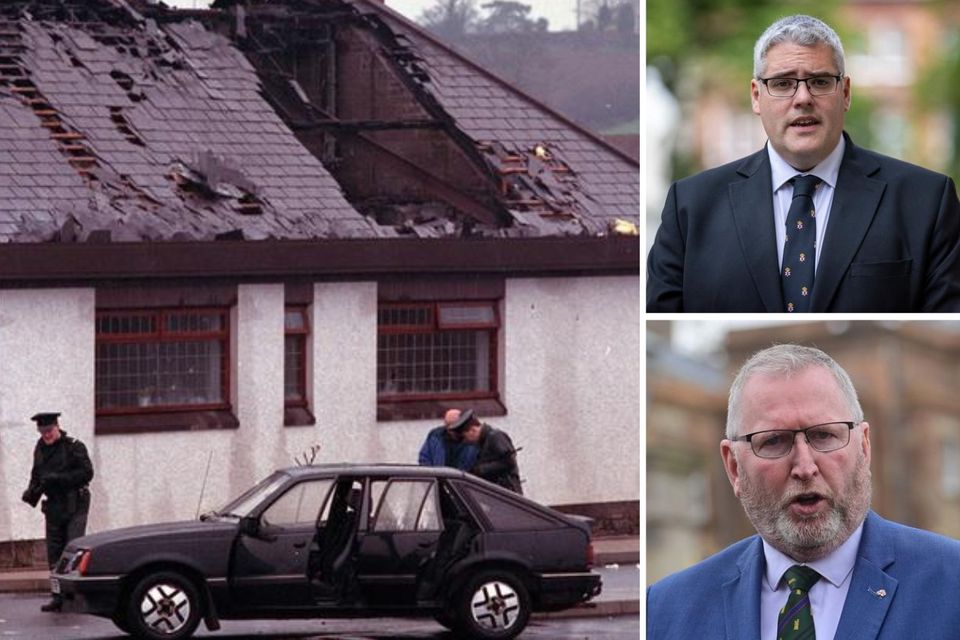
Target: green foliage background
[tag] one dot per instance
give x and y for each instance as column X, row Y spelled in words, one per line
column 713, row 39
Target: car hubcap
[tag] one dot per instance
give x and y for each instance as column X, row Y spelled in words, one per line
column 165, row 608
column 495, row 605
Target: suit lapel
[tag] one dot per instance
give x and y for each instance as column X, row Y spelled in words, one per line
column 855, row 202
column 751, row 201
column 741, row 595
column 872, row 590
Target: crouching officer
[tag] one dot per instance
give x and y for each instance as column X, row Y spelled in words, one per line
column 62, row 472
column 497, row 460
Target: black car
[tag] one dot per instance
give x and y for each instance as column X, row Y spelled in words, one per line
column 339, row 541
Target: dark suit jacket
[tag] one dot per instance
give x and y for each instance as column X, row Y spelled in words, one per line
column 915, row 570
column 892, row 243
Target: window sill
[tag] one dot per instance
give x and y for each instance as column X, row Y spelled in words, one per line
column 434, row 409
column 298, row 417
column 169, row 421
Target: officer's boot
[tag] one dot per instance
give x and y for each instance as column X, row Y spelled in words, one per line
column 55, row 603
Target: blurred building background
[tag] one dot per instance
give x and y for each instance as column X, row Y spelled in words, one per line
column 903, row 58
column 906, row 376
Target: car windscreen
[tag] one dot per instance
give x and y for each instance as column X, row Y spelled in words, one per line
column 242, row 506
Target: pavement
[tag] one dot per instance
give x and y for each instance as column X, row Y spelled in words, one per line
column 616, row 560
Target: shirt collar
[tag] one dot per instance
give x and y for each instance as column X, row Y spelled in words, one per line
column 835, row 567
column 827, row 170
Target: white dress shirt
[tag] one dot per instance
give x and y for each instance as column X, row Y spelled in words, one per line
column 782, row 172
column 826, row 596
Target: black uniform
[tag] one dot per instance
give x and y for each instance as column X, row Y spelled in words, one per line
column 61, row 471
column 497, row 461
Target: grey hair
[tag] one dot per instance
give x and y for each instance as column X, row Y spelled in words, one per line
column 786, row 360
column 806, row 31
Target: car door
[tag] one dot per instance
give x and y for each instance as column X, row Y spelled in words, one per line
column 402, row 532
column 269, row 568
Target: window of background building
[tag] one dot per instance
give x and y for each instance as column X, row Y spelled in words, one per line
column 438, row 346
column 162, row 359
column 297, row 357
column 296, row 330
column 432, row 351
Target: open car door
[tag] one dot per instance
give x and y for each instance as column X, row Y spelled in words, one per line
column 270, row 563
column 403, row 529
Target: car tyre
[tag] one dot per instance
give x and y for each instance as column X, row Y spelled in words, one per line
column 163, row 606
column 493, row 605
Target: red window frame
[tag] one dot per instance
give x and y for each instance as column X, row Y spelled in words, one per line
column 160, row 333
column 302, row 334
column 434, row 325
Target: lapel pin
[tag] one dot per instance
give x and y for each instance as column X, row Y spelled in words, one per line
column 880, row 593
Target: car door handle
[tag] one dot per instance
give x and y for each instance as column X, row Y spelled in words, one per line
column 299, row 545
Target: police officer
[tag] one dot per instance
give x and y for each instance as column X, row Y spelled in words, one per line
column 62, row 472
column 497, row 460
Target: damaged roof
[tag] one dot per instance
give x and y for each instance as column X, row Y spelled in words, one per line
column 111, row 129
column 117, row 127
column 540, row 154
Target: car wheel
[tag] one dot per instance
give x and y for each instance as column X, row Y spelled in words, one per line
column 163, row 606
column 493, row 605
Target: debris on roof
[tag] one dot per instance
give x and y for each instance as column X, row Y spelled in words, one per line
column 123, row 130
column 291, row 119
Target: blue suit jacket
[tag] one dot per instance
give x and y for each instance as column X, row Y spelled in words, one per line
column 893, row 242
column 719, row 598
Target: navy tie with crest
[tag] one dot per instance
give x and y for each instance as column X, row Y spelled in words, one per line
column 799, row 250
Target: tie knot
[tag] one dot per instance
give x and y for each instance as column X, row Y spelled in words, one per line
column 804, row 185
column 800, row 577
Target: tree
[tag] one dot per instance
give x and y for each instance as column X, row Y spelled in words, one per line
column 450, row 19
column 626, row 18
column 604, row 17
column 509, row 17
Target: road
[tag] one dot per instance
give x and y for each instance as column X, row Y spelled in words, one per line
column 20, row 617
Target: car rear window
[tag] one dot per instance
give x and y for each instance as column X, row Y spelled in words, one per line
column 507, row 516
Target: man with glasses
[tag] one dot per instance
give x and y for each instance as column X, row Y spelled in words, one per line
column 797, row 453
column 811, row 222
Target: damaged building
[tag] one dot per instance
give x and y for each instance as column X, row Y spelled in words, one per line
column 231, row 234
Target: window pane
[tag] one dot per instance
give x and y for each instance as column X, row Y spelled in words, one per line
column 193, row 322
column 506, row 516
column 294, row 320
column 430, row 512
column 126, row 324
column 434, row 363
column 143, row 370
column 453, row 315
column 300, row 505
column 399, row 508
column 293, row 368
column 414, row 315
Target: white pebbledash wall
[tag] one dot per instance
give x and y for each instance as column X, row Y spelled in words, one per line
column 569, row 377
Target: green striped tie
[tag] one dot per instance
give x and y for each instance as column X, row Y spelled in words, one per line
column 796, row 619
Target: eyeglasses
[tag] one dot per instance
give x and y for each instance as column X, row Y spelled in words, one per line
column 777, row 443
column 787, row 87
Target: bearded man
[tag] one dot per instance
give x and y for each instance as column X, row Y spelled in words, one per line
column 797, row 453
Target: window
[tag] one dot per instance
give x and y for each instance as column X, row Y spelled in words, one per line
column 300, row 505
column 442, row 350
column 168, row 359
column 406, row 506
column 507, row 516
column 296, row 330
